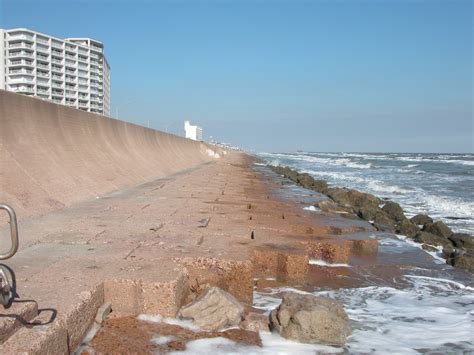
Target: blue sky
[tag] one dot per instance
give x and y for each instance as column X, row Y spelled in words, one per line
column 333, row 75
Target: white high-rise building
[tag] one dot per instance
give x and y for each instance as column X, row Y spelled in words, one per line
column 71, row 71
column 192, row 132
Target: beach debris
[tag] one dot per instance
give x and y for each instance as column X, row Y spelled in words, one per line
column 252, row 235
column 255, row 322
column 311, row 319
column 203, row 223
column 213, row 310
column 157, row 228
column 103, row 312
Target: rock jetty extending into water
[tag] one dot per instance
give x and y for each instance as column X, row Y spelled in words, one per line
column 388, row 216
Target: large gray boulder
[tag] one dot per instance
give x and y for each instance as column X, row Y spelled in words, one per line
column 432, row 239
column 311, row 319
column 353, row 198
column 368, row 212
column 407, row 228
column 213, row 310
column 421, row 219
column 462, row 240
column 394, row 211
column 439, row 228
column 383, row 222
column 464, row 261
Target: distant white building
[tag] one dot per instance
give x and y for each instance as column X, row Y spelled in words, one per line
column 192, row 132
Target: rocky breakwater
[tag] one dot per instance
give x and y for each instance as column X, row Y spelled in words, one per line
column 388, row 216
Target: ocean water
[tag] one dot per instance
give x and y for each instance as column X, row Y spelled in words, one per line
column 431, row 308
column 440, row 185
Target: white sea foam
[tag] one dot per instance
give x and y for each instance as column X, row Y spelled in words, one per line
column 173, row 321
column 272, row 344
column 162, row 340
column 311, row 208
column 381, row 187
column 434, row 314
column 326, row 264
column 455, row 207
column 437, row 255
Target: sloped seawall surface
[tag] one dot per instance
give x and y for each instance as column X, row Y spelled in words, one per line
column 52, row 156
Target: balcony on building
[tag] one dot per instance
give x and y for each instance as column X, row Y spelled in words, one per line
column 27, row 89
column 57, row 54
column 20, row 80
column 20, row 71
column 43, row 57
column 20, row 35
column 56, row 69
column 57, row 45
column 20, row 54
column 83, row 59
column 21, row 44
column 42, row 90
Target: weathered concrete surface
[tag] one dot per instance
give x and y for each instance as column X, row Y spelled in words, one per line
column 52, row 156
column 143, row 247
column 146, row 250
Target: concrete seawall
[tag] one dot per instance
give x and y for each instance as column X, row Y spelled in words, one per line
column 52, row 156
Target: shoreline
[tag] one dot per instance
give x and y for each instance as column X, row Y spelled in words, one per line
column 156, row 253
column 388, row 216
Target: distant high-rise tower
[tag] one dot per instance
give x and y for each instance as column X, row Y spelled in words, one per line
column 192, row 132
column 71, row 71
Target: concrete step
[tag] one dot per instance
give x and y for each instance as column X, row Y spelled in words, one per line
column 20, row 314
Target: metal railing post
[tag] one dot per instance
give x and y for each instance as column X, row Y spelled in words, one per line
column 13, row 232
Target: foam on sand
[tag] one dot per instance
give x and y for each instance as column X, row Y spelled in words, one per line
column 173, row 321
column 326, row 264
column 272, row 344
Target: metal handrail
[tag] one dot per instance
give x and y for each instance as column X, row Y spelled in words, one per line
column 13, row 232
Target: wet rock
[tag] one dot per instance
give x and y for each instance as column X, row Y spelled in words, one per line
column 407, row 228
column 368, row 213
column 438, row 228
column 353, row 198
column 462, row 240
column 450, row 252
column 465, row 261
column 320, row 186
column 255, row 322
column 421, row 219
column 331, row 206
column 213, row 310
column 311, row 319
column 384, row 223
column 432, row 239
column 305, row 180
column 428, row 247
column 394, row 211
